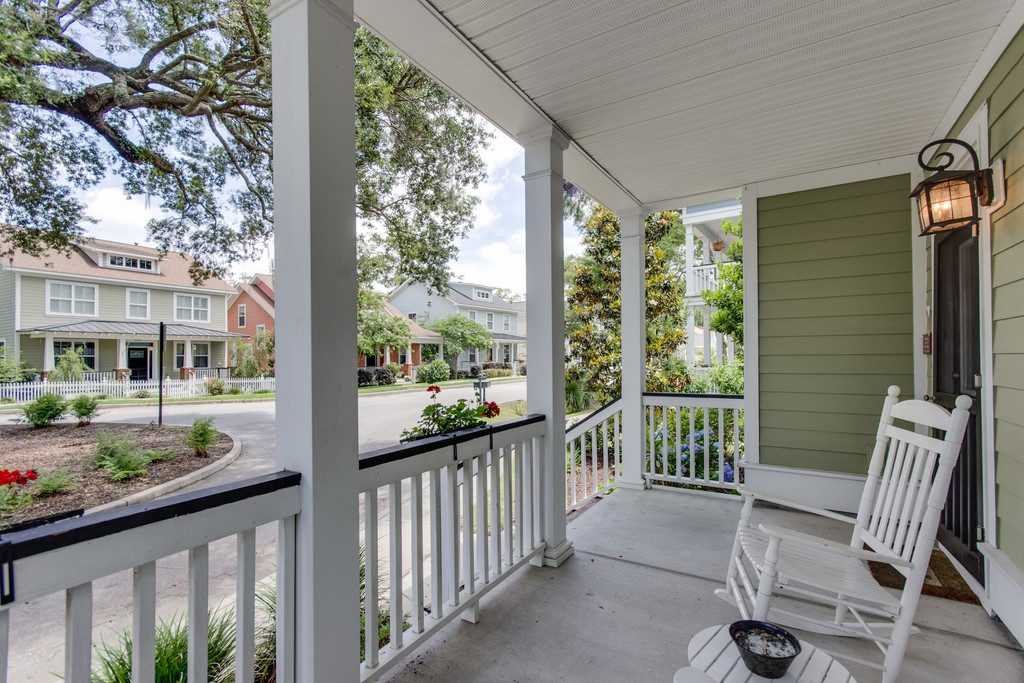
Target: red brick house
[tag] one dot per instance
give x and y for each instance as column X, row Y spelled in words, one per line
column 411, row 356
column 251, row 307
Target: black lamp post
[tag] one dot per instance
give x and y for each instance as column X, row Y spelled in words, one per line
column 949, row 200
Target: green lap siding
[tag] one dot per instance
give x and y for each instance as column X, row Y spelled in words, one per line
column 1002, row 89
column 7, row 310
column 835, row 319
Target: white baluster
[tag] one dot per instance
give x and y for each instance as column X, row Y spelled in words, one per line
column 395, row 580
column 416, row 548
column 245, row 606
column 285, row 615
column 144, row 623
column 198, row 612
column 77, row 634
column 370, row 557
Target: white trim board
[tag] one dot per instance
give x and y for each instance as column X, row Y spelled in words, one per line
column 1005, row 589
column 881, row 168
column 751, row 351
column 836, row 491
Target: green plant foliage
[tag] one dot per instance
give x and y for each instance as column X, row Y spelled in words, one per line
column 720, row 378
column 45, row 410
column 201, row 435
column 433, row 372
column 160, row 455
column 578, row 396
column 379, row 329
column 13, row 371
column 262, row 391
column 234, row 391
column 142, row 393
column 13, row 497
column 214, row 386
column 118, row 456
column 53, row 482
column 85, row 408
column 460, row 333
column 70, row 367
column 727, row 298
column 114, row 659
column 594, row 314
column 497, row 372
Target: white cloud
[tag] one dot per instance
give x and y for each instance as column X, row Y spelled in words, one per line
column 119, row 217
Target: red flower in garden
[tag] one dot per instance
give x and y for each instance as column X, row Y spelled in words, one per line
column 17, row 477
column 434, row 389
column 31, row 474
column 491, row 409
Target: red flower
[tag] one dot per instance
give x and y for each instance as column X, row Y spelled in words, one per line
column 490, row 409
column 31, row 474
column 434, row 389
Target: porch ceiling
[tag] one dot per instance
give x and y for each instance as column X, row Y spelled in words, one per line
column 670, row 98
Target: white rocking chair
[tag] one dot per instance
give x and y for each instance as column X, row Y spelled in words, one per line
column 908, row 479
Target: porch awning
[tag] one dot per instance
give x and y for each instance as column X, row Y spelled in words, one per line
column 503, row 337
column 116, row 329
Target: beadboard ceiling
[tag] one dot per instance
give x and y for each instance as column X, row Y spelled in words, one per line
column 673, row 98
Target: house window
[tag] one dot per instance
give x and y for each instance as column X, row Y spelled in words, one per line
column 130, row 262
column 241, row 315
column 412, row 316
column 403, row 356
column 506, row 322
column 472, row 354
column 490, row 321
column 86, row 349
column 190, row 307
column 261, row 329
column 3, row 349
column 486, row 296
column 138, row 304
column 472, row 315
column 200, row 355
column 66, row 298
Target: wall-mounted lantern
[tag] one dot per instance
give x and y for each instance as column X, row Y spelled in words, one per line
column 950, row 200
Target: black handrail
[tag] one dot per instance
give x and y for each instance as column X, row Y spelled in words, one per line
column 67, row 532
column 430, row 443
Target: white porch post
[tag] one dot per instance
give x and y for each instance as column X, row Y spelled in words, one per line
column 188, row 354
column 691, row 352
column 688, row 256
column 634, row 344
column 315, row 226
column 545, row 285
column 706, row 315
column 122, row 353
column 48, row 353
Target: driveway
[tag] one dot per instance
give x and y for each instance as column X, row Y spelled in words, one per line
column 37, row 629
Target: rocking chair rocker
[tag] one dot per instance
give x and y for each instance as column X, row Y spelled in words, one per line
column 908, row 479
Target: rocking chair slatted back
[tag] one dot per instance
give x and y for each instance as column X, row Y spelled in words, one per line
column 907, row 480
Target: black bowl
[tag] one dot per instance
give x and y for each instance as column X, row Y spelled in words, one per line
column 779, row 647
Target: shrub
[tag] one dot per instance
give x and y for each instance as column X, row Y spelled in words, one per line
column 7, row 399
column 234, row 391
column 518, row 407
column 462, row 374
column 85, row 408
column 497, row 372
column 13, row 371
column 383, row 376
column 201, row 435
column 433, row 372
column 497, row 366
column 70, row 367
column 395, row 368
column 474, row 370
column 114, row 660
column 522, row 369
column 101, row 397
column 55, row 481
column 142, row 393
column 263, row 391
column 117, row 456
column 45, row 410
column 365, row 378
column 214, row 386
column 159, row 456
column 578, row 396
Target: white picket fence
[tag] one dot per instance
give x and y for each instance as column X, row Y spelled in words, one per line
column 23, row 392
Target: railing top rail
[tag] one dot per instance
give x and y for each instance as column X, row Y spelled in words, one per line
column 675, row 394
column 67, row 532
column 404, row 451
column 595, row 418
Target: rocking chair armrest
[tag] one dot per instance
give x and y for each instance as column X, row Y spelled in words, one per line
column 784, row 534
column 821, row 512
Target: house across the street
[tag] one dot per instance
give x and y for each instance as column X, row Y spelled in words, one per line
column 251, row 307
column 410, row 356
column 505, row 320
column 106, row 299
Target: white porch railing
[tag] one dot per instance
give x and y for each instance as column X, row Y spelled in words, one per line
column 694, row 439
column 483, row 521
column 69, row 555
column 22, row 392
column 701, row 279
column 595, row 438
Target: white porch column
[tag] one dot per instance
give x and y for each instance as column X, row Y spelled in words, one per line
column 634, row 344
column 691, row 288
column 719, row 347
column 122, row 353
column 706, row 314
column 48, row 353
column 187, row 363
column 315, row 245
column 691, row 352
column 545, row 296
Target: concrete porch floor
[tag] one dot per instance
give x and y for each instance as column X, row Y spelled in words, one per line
column 641, row 584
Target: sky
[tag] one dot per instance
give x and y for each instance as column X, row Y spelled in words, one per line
column 492, row 254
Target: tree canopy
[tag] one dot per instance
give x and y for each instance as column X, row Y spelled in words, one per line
column 379, row 329
column 595, row 307
column 460, row 333
column 727, row 298
column 174, row 98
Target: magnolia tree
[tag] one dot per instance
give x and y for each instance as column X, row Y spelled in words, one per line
column 173, row 98
column 459, row 334
column 379, row 330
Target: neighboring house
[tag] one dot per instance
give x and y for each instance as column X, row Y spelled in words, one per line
column 412, row 355
column 505, row 320
column 251, row 307
column 107, row 300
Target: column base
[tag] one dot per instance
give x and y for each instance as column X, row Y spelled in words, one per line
column 554, row 556
column 630, row 485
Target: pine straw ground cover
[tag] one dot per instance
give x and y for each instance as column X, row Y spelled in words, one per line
column 73, row 448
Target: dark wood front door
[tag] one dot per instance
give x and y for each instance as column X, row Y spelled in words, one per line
column 957, row 370
column 138, row 363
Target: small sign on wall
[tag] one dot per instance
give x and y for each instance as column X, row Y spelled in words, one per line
column 926, row 343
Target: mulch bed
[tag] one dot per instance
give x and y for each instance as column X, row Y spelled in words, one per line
column 72, row 447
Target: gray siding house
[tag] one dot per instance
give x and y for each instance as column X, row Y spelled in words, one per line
column 107, row 299
column 505, row 320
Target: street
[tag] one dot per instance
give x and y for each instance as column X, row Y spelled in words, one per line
column 37, row 629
